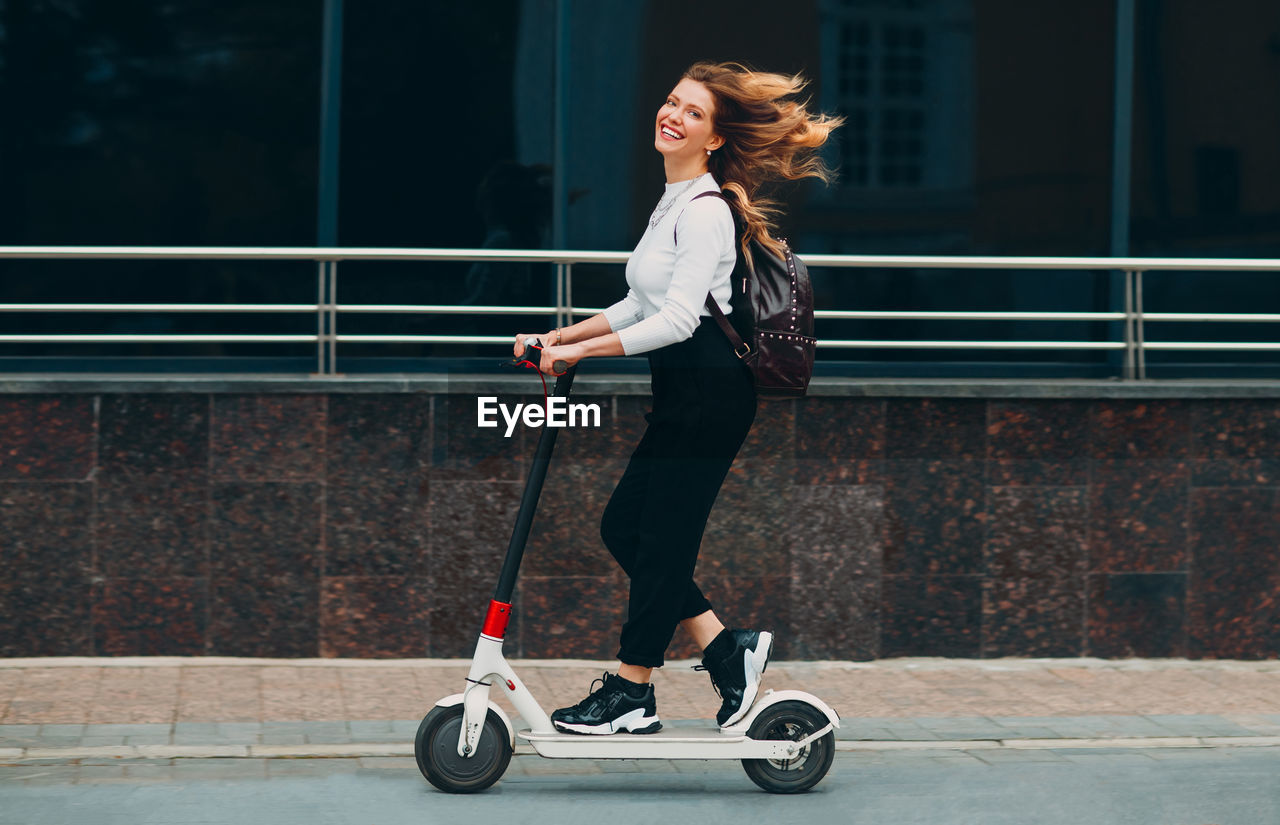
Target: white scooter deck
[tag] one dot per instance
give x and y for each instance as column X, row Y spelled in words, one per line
column 683, row 742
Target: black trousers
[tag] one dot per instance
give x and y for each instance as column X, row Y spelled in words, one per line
column 704, row 402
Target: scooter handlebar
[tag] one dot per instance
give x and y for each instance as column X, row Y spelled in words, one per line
column 558, row 367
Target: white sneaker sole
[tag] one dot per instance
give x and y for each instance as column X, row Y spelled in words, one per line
column 631, row 722
column 756, row 661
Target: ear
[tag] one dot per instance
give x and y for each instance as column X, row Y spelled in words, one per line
column 715, row 143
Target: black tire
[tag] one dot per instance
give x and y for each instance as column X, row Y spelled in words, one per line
column 795, row 721
column 436, row 749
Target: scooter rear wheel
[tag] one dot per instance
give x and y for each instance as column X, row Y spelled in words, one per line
column 794, row 721
column 436, row 750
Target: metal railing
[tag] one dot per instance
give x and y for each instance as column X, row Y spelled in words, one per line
column 326, row 309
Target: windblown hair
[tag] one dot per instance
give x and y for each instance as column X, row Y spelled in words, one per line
column 769, row 137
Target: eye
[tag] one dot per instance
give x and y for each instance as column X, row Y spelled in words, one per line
column 692, row 113
column 669, row 102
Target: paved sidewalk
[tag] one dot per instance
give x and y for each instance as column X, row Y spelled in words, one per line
column 63, row 709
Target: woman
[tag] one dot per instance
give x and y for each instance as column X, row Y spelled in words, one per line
column 721, row 126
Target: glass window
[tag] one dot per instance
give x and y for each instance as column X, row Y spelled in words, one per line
column 973, row 127
column 157, row 124
column 441, row 148
column 1205, row 163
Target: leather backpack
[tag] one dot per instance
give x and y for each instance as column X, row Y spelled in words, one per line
column 772, row 319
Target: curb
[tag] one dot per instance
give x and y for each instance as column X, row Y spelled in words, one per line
column 374, row 749
column 909, row 663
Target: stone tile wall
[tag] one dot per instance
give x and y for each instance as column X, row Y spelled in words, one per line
column 374, row 524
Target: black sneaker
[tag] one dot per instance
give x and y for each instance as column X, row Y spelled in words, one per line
column 736, row 675
column 611, row 709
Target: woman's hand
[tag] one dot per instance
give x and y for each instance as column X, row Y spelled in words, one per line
column 570, row 354
column 544, row 337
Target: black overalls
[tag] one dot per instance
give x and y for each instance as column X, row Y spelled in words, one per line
column 704, row 401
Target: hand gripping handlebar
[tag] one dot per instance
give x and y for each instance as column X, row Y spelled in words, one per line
column 557, row 367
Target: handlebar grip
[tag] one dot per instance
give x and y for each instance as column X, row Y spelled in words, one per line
column 557, row 367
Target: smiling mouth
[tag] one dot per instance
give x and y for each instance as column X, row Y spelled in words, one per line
column 668, row 133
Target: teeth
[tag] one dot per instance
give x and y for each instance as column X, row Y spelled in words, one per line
column 667, row 131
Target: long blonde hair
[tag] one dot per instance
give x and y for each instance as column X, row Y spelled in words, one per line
column 768, row 137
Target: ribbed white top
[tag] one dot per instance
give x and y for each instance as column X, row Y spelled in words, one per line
column 688, row 253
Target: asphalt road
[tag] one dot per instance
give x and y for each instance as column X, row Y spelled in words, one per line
column 1202, row 786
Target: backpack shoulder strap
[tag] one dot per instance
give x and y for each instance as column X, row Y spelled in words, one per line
column 740, row 347
column 713, row 194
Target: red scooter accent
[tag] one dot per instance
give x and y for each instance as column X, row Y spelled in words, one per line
column 495, row 621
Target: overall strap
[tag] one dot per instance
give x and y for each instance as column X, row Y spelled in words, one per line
column 741, row 348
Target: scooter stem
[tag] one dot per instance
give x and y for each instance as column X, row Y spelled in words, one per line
column 529, row 501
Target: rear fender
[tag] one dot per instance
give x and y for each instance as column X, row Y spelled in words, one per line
column 773, row 697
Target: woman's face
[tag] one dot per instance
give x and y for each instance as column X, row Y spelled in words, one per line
column 683, row 129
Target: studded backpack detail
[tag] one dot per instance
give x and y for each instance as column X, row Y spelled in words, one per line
column 772, row 326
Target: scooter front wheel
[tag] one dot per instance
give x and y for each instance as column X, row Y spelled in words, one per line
column 794, row 721
column 436, row 749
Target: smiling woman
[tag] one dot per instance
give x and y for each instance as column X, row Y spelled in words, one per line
column 722, row 128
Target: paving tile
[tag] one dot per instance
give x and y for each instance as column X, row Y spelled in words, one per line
column 44, row 742
column 311, row 767
column 322, row 729
column 93, row 774
column 1108, row 756
column 404, row 764
column 1195, row 755
column 1004, row 757
column 963, row 728
column 51, row 776
column 148, row 739
column 369, row 728
column 867, row 729
column 224, row 768
column 959, row 759
column 125, row 730
column 538, row 766
column 1199, row 725
column 96, row 741
column 205, row 739
column 233, row 729
column 284, row 739
column 154, row 773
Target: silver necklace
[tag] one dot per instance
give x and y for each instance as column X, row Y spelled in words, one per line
column 664, row 205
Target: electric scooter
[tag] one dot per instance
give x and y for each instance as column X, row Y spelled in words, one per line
column 786, row 741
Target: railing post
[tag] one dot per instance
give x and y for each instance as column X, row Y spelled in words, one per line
column 1130, row 338
column 327, row 319
column 561, row 289
column 568, row 294
column 1140, row 333
column 333, row 318
column 322, row 273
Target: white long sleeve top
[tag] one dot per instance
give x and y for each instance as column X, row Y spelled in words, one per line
column 687, row 254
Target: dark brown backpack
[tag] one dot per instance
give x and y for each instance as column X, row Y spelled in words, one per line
column 772, row 318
